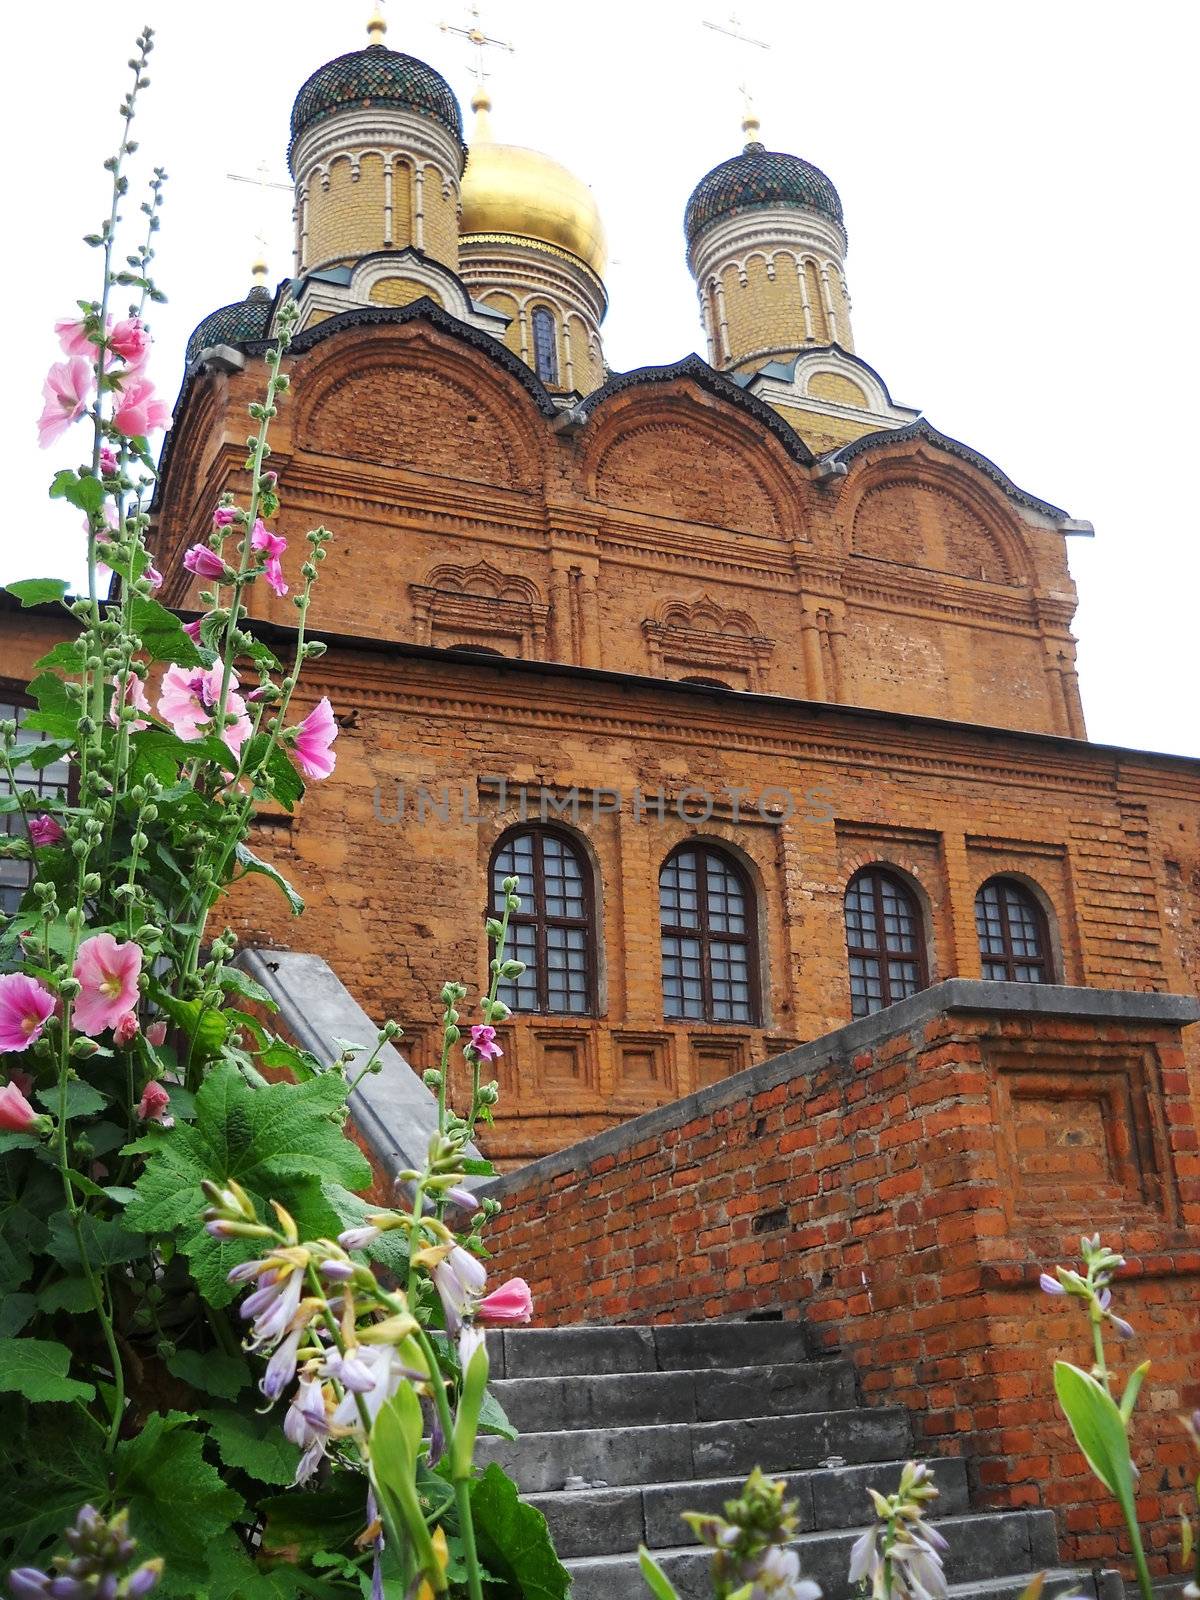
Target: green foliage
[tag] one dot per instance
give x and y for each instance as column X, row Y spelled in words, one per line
column 210, row 1372
column 514, row 1540
column 253, row 1443
column 178, row 1503
column 1099, row 1429
column 656, row 1579
column 249, row 863
column 161, row 633
column 38, row 591
column 37, row 1368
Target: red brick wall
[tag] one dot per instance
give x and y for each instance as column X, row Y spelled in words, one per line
column 898, row 1187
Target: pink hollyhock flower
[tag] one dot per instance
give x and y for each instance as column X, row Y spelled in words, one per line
column 135, row 696
column 138, row 409
column 483, row 1041
column 224, row 516
column 272, row 545
column 511, row 1302
column 24, row 1008
column 313, row 737
column 16, row 1114
column 73, row 337
column 153, row 1105
column 66, row 391
column 153, row 577
column 205, row 563
column 131, row 341
column 189, row 698
column 156, row 1034
column 108, row 972
column 44, row 830
column 109, row 464
column 126, row 1029
column 192, row 629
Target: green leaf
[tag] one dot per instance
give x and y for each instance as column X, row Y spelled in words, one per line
column 477, row 1167
column 301, row 1523
column 204, row 1026
column 11, row 1140
column 37, row 1369
column 514, row 1540
column 28, row 1192
column 104, row 1241
column 161, row 633
column 212, row 1372
column 38, row 591
column 237, row 982
column 281, row 1140
column 68, row 1294
column 1132, row 1389
column 232, row 1575
column 82, row 1099
column 493, row 1419
column 79, row 489
column 15, row 1312
column 45, row 754
column 280, row 1055
column 177, row 1502
column 57, row 714
column 656, row 1579
column 46, row 1474
column 249, row 863
column 253, row 1443
column 67, row 656
column 1098, row 1427
column 162, row 754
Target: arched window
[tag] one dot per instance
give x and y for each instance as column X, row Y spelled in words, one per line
column 44, row 783
column 545, row 346
column 706, row 683
column 706, row 920
column 885, row 941
column 554, row 931
column 1014, row 940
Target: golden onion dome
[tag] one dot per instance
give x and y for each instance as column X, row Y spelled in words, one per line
column 509, row 189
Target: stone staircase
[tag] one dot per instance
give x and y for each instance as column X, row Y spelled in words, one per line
column 624, row 1428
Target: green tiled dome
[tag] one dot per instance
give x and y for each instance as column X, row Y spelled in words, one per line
column 233, row 324
column 373, row 77
column 756, row 180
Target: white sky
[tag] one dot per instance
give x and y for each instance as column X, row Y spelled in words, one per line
column 1019, row 188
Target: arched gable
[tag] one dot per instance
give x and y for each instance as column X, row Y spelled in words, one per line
column 675, row 451
column 405, row 396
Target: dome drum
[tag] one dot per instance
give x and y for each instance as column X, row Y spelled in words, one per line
column 368, row 80
column 760, row 180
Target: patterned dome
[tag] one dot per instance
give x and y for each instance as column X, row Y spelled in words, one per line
column 371, row 77
column 233, row 324
column 758, row 179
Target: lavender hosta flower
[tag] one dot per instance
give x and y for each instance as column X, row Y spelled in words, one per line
column 1050, row 1285
column 336, row 1271
column 359, row 1238
column 281, row 1368
column 307, row 1425
column 351, row 1370
column 97, row 1567
column 272, row 1307
column 460, row 1279
column 778, row 1578
column 900, row 1556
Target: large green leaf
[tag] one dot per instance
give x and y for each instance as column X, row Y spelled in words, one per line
column 46, row 1474
column 204, row 1026
column 37, row 1369
column 232, row 1575
column 177, row 1502
column 1098, row 1427
column 28, row 1191
column 38, row 591
column 279, row 1141
column 255, row 1443
column 656, row 1579
column 514, row 1540
column 15, row 1312
column 161, row 633
column 249, row 863
column 305, row 1521
column 156, row 751
column 104, row 1241
column 211, row 1372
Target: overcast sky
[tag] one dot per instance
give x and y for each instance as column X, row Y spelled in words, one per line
column 1018, row 181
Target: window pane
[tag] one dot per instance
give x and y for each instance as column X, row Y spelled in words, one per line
column 555, row 917
column 545, row 346
column 1009, row 923
column 706, row 920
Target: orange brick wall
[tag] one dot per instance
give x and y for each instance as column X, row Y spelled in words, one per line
column 898, row 1190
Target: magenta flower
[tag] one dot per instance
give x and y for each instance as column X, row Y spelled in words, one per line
column 188, row 701
column 43, row 830
column 483, row 1041
column 272, row 545
column 192, row 629
column 109, row 464
column 126, row 1029
column 108, row 972
column 66, row 391
column 73, row 337
column 313, row 737
column 152, row 1107
column 16, row 1114
column 459, row 1280
column 153, row 577
column 205, row 563
column 511, row 1302
column 138, row 410
column 131, row 341
column 24, row 1007
column 135, row 696
column 224, row 516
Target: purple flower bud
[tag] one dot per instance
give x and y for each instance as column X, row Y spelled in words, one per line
column 1123, row 1328
column 27, row 1583
column 337, row 1271
column 1105, row 1299
column 1050, row 1285
column 462, row 1198
column 109, row 1585
column 244, row 1271
column 144, row 1579
column 358, row 1238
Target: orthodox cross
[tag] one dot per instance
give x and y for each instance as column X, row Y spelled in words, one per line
column 264, row 181
column 733, row 30
column 481, row 41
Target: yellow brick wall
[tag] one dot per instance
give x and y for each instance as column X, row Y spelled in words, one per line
column 345, row 220
column 763, row 313
column 508, row 305
column 401, row 292
column 834, row 386
column 441, row 221
column 820, row 432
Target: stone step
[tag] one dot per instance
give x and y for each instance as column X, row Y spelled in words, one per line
column 597, row 1522
column 684, row 1451
column 639, row 1399
column 663, row 1347
column 983, row 1548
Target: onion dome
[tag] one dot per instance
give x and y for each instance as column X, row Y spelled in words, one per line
column 508, row 189
column 374, row 76
column 758, row 180
column 238, row 323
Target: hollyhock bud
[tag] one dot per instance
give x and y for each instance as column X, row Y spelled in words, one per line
column 25, row 1007
column 192, row 629
column 156, row 1033
column 205, row 563
column 43, row 830
column 153, row 577
column 125, row 1031
column 109, row 464
column 16, row 1114
column 224, row 516
column 139, row 410
column 153, row 1104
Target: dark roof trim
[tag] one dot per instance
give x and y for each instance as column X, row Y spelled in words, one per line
column 429, row 311
column 940, row 441
column 787, row 369
column 695, row 369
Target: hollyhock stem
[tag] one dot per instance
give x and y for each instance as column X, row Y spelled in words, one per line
column 14, row 789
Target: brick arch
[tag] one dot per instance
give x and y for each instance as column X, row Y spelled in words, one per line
column 397, row 396
column 687, row 459
column 917, row 512
column 704, row 614
column 483, row 579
